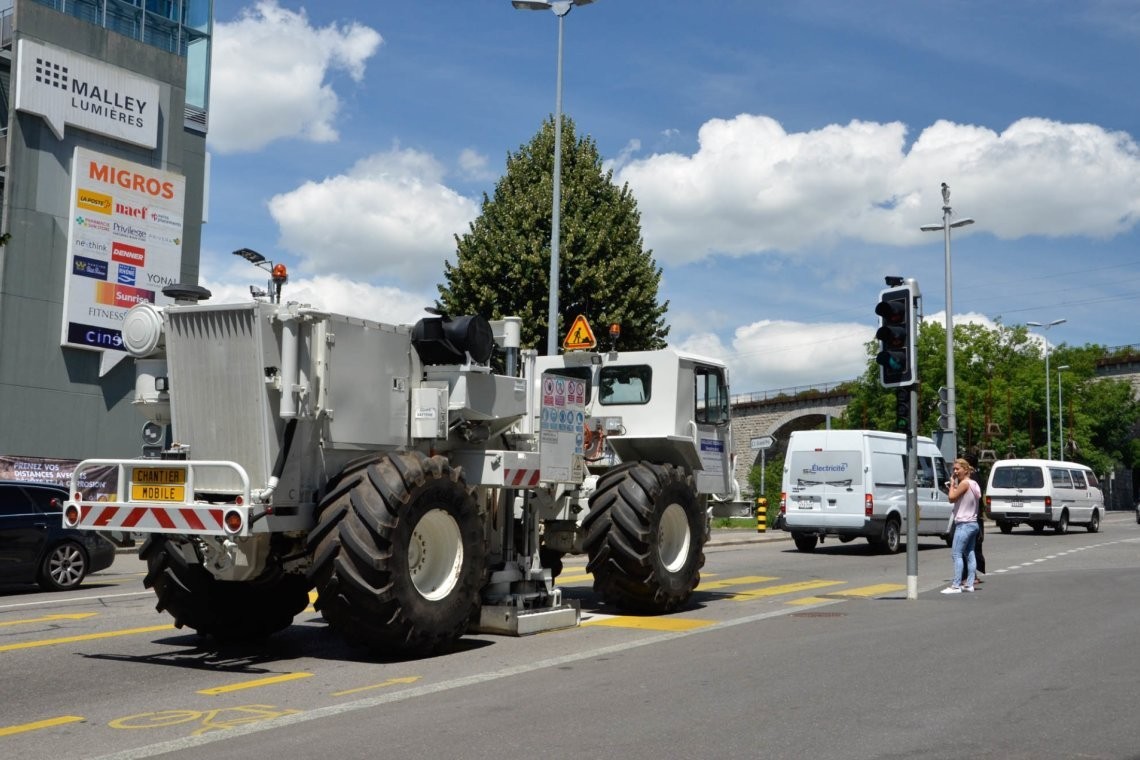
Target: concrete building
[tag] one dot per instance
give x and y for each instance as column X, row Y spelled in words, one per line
column 105, row 109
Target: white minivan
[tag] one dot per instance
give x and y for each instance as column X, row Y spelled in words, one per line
column 1043, row 493
column 852, row 483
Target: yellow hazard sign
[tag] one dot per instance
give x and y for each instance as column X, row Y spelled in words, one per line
column 579, row 336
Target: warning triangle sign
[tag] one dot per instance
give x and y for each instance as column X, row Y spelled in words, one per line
column 579, row 337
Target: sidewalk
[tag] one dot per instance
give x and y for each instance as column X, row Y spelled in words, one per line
column 737, row 536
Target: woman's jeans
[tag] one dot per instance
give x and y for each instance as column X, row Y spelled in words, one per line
column 965, row 534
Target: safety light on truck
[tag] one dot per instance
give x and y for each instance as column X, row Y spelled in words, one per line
column 233, row 521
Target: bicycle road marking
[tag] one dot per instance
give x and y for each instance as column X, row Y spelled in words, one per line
column 232, row 717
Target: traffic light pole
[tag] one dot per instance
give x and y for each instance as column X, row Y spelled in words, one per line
column 912, row 497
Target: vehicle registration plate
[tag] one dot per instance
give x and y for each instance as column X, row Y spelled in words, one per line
column 805, row 504
column 158, row 484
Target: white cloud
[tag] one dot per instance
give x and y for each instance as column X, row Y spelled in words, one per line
column 389, row 216
column 329, row 293
column 771, row 354
column 269, row 77
column 752, row 187
column 474, row 165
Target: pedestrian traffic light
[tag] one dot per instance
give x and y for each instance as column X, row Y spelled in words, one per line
column 897, row 335
column 943, row 408
column 902, row 409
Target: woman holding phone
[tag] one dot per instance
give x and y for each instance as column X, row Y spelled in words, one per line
column 966, row 495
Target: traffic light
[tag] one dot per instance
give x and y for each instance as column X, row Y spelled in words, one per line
column 897, row 335
column 943, row 408
column 902, row 409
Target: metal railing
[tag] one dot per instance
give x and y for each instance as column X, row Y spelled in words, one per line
column 787, row 394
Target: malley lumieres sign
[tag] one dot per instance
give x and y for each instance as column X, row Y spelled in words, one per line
column 68, row 88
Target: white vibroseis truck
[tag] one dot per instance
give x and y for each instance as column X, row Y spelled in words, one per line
column 390, row 470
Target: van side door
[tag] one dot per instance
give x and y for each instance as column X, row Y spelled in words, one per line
column 934, row 506
column 1063, row 492
column 1082, row 498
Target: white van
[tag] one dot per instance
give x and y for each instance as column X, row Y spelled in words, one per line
column 852, row 483
column 1043, row 493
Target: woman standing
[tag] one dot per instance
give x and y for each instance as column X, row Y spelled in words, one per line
column 966, row 495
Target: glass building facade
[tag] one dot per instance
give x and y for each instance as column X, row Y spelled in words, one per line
column 182, row 27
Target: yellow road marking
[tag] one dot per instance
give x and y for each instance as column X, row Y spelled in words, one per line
column 381, row 685
column 36, row 726
column 865, row 591
column 84, row 637
column 741, row 581
column 51, row 618
column 255, row 683
column 809, row 600
column 650, row 623
column 786, row 588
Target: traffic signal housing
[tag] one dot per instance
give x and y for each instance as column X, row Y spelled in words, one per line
column 897, row 336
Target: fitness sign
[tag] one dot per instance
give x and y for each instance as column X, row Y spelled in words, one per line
column 124, row 245
column 561, row 429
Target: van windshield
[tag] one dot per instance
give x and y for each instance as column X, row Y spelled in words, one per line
column 826, row 468
column 1018, row 477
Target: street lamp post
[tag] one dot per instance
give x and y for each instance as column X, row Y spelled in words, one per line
column 1061, row 410
column 1048, row 390
column 560, row 8
column 950, row 437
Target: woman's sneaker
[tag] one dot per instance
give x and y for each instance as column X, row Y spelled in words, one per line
column 967, row 588
column 952, row 590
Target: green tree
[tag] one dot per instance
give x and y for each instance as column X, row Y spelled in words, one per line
column 1000, row 389
column 503, row 261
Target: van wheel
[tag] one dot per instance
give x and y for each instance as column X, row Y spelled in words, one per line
column 892, row 539
column 1005, row 527
column 1094, row 522
column 804, row 542
column 1038, row 527
column 1062, row 526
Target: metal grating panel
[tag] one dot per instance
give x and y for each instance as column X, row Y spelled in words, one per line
column 219, row 400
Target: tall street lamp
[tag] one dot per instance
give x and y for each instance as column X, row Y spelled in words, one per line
column 1061, row 410
column 1048, row 391
column 950, row 437
column 560, row 8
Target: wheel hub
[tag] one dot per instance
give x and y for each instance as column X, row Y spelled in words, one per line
column 435, row 555
column 674, row 537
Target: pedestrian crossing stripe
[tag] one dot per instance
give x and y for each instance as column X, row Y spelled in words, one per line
column 786, row 588
column 672, row 625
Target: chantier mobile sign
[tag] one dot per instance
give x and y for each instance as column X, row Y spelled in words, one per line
column 124, row 245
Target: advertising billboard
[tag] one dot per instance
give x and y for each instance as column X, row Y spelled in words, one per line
column 124, row 245
column 68, row 88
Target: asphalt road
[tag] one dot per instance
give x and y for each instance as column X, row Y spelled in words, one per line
column 780, row 655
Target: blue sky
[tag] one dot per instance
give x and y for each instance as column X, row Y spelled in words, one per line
column 783, row 156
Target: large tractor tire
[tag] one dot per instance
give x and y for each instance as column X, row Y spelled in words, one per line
column 398, row 553
column 645, row 536
column 226, row 610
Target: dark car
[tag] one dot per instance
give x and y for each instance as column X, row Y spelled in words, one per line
column 34, row 545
